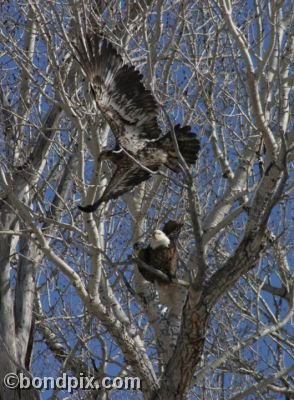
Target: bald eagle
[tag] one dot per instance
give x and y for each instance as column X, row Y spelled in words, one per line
column 131, row 111
column 161, row 254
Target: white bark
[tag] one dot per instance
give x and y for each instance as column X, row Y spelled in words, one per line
column 225, row 70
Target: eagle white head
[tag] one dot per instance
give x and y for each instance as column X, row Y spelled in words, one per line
column 159, row 239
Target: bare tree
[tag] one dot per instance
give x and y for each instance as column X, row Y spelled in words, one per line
column 71, row 297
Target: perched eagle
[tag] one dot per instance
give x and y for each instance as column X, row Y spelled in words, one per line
column 161, row 254
column 131, row 111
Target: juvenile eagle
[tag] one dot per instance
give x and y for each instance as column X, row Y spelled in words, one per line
column 161, row 254
column 131, row 111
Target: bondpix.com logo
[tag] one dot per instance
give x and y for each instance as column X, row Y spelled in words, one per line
column 69, row 383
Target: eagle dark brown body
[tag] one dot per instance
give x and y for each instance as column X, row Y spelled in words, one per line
column 163, row 258
column 131, row 111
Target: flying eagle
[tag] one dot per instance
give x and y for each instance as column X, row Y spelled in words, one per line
column 131, row 111
column 161, row 254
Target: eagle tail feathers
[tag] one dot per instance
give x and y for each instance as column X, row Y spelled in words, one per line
column 188, row 143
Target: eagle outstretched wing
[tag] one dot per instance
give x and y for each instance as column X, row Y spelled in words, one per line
column 123, row 180
column 129, row 108
column 129, row 174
